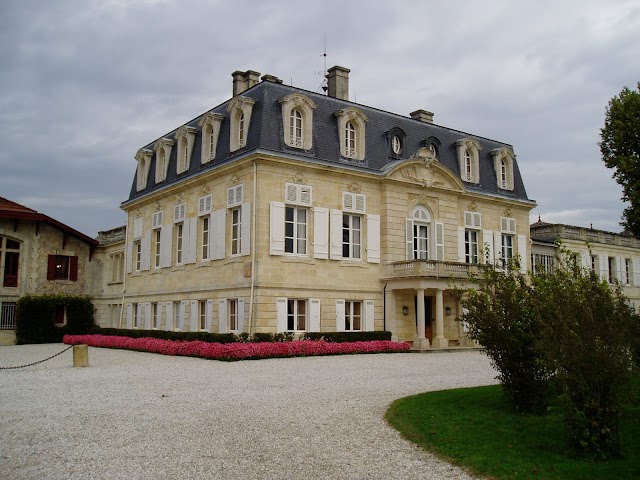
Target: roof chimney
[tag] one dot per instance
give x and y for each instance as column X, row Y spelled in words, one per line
column 270, row 78
column 244, row 80
column 338, row 82
column 422, row 115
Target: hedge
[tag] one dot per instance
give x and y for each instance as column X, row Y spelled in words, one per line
column 35, row 318
column 341, row 337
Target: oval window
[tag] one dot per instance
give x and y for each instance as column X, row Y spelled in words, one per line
column 395, row 144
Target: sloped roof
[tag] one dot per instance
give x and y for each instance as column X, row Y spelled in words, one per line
column 266, row 134
column 15, row 211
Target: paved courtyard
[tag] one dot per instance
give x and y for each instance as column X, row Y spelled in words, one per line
column 138, row 415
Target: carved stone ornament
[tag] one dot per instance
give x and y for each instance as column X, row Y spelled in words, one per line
column 419, row 175
column 472, row 207
column 179, row 198
column 351, row 115
column 507, row 212
column 298, row 178
column 205, row 190
column 354, row 187
column 234, row 179
column 298, row 101
column 158, row 207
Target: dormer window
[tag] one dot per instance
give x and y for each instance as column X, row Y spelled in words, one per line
column 143, row 157
column 210, row 123
column 297, row 120
column 186, row 137
column 433, row 150
column 468, row 159
column 503, row 159
column 162, row 147
column 429, row 148
column 395, row 143
column 351, row 126
column 396, row 146
column 240, row 109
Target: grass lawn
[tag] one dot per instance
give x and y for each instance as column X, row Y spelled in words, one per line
column 474, row 428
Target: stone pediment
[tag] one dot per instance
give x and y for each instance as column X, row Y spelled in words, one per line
column 426, row 173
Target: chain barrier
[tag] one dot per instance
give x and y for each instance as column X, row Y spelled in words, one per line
column 39, row 361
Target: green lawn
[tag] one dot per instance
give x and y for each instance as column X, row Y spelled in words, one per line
column 474, row 428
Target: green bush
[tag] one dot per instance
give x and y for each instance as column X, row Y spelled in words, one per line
column 501, row 314
column 168, row 335
column 341, row 337
column 35, row 318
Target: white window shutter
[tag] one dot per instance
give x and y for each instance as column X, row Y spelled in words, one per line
column 361, row 203
column 245, row 229
column 339, row 315
column 497, row 243
column 438, row 235
column 240, row 317
column 208, row 315
column 129, row 315
column 223, row 320
column 183, row 308
column 320, row 233
column 166, row 239
column 145, row 252
column 129, row 259
column 179, row 212
column 373, row 238
column 156, row 220
column 305, row 195
column 204, row 205
column 348, row 201
column 281, row 314
column 138, row 224
column 336, row 235
column 291, row 192
column 314, row 315
column 522, row 252
column 168, row 324
column 584, row 257
column 276, row 228
column 218, row 234
column 409, row 238
column 635, row 271
column 193, row 316
column 604, row 267
column 461, row 245
column 190, row 240
column 369, row 315
column 147, row 316
column 488, row 247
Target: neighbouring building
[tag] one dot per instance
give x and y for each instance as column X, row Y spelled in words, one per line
column 283, row 209
column 40, row 255
column 615, row 257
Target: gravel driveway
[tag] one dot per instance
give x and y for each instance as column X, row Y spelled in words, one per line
column 137, row 415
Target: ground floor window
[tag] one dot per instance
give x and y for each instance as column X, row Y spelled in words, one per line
column 59, row 315
column 233, row 314
column 202, row 315
column 296, row 315
column 7, row 315
column 155, row 317
column 352, row 316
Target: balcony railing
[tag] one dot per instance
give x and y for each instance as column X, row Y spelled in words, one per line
column 431, row 269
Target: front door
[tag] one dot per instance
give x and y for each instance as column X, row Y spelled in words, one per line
column 428, row 314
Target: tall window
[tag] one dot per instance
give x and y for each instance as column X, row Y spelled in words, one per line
column 177, row 312
column 117, row 267
column 471, row 246
column 136, row 314
column 295, row 128
column 161, row 164
column 62, row 267
column 612, row 269
column 628, row 271
column 9, row 261
column 507, row 248
column 503, row 174
column 241, row 130
column 594, row 263
column 233, row 315
column 296, row 315
column 295, row 230
column 420, row 241
column 236, row 230
column 542, row 263
column 179, row 238
column 155, row 320
column 467, row 166
column 351, row 235
column 137, row 254
column 212, row 142
column 350, row 140
column 156, row 248
column 205, row 237
column 202, row 307
column 352, row 315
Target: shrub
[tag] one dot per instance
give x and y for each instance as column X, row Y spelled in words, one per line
column 587, row 338
column 35, row 317
column 500, row 314
column 341, row 337
column 167, row 335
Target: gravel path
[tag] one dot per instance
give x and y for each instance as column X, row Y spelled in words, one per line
column 136, row 415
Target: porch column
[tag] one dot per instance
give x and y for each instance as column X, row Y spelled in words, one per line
column 440, row 341
column 420, row 342
column 390, row 314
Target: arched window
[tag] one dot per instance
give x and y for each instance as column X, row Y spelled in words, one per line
column 212, row 141
column 504, row 159
column 421, row 227
column 350, row 140
column 185, row 156
column 467, row 166
column 295, row 128
column 434, row 150
column 210, row 123
column 10, row 260
column 241, row 129
column 469, row 159
column 503, row 174
column 161, row 163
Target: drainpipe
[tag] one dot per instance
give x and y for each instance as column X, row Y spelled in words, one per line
column 384, row 308
column 124, row 277
column 253, row 243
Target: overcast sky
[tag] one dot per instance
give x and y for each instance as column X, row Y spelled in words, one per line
column 84, row 84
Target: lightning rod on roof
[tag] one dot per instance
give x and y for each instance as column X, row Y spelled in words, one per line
column 323, row 84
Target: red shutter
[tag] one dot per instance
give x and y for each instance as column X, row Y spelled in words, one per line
column 51, row 267
column 73, row 268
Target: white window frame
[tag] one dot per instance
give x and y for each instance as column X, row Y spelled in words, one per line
column 205, row 232
column 503, row 161
column 179, row 243
column 240, row 109
column 351, row 236
column 210, row 125
column 293, row 137
column 162, row 146
column 349, row 316
column 468, row 150
column 297, row 242
column 352, row 141
column 157, row 247
column 294, row 316
column 185, row 136
column 143, row 157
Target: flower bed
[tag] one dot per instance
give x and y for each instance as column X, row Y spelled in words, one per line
column 237, row 351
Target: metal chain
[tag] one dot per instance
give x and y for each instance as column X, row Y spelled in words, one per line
column 39, row 361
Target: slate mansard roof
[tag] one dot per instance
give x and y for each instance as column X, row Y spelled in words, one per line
column 266, row 135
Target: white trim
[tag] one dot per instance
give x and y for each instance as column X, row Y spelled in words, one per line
column 314, row 315
column 276, row 228
column 321, row 233
column 373, row 239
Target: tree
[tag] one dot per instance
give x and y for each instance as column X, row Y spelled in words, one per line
column 620, row 149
